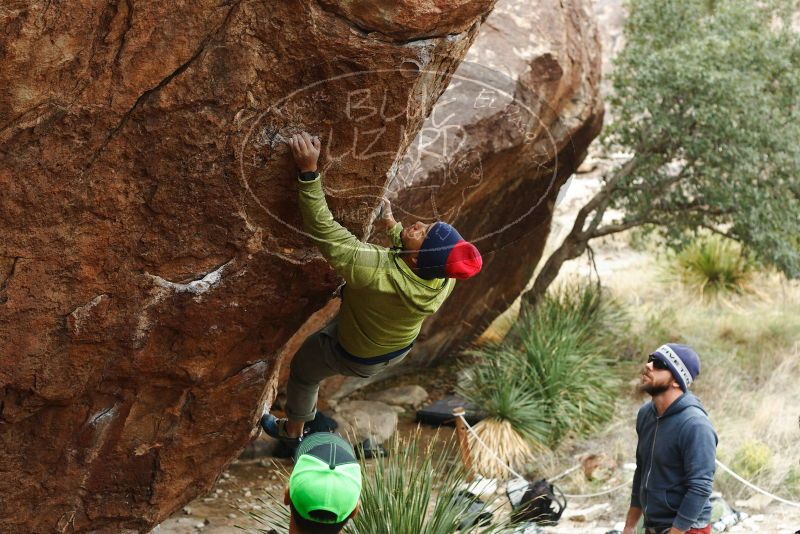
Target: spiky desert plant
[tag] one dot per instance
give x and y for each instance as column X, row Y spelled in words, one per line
column 515, row 416
column 552, row 376
column 415, row 488
column 498, row 439
column 714, row 265
column 570, row 343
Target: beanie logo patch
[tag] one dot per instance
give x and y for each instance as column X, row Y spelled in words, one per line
column 676, row 363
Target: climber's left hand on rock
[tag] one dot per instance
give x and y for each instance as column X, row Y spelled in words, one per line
column 305, row 150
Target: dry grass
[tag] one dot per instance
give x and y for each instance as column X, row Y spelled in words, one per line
column 750, row 349
column 500, row 437
column 760, row 412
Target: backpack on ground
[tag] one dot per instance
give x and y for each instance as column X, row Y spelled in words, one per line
column 539, row 501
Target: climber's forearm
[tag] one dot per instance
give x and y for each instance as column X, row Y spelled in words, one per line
column 335, row 242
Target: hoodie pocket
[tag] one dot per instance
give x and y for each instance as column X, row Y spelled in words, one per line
column 670, row 500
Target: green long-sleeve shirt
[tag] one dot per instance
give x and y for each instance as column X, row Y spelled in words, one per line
column 384, row 302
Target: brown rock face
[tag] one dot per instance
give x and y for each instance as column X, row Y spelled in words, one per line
column 150, row 266
column 512, row 126
column 410, row 19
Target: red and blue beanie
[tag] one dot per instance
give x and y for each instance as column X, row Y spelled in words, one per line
column 683, row 362
column 445, row 254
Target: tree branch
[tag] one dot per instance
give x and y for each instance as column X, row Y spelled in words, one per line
column 647, row 186
column 719, row 232
column 601, row 199
column 621, row 227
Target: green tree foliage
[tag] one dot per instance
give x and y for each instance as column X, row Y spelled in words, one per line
column 706, row 98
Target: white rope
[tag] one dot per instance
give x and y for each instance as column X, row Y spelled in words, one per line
column 508, row 467
column 485, row 446
column 723, row 466
column 751, row 486
column 565, row 473
column 599, row 494
column 617, row 488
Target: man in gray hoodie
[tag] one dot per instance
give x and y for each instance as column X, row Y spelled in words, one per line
column 676, row 450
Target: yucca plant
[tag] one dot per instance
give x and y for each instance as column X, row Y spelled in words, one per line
column 713, row 266
column 516, row 417
column 552, row 376
column 570, row 342
column 416, row 488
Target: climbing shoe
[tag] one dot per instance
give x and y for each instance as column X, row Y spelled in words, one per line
column 276, row 428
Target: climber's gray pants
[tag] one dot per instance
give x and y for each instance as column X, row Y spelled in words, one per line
column 318, row 358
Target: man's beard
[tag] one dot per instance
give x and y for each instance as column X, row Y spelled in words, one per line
column 653, row 389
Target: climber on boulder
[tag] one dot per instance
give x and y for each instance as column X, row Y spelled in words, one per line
column 387, row 295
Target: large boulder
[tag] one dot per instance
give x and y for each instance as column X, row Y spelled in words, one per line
column 513, row 125
column 150, row 264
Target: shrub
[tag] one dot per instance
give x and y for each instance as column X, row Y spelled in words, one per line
column 555, row 365
column 714, row 265
column 752, row 459
column 501, row 391
column 516, row 415
column 792, row 482
column 413, row 490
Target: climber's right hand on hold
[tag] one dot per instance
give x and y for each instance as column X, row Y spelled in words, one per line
column 386, row 217
column 305, row 150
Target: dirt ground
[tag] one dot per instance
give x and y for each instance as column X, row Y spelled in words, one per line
column 249, row 485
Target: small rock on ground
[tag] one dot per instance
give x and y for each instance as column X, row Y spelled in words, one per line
column 366, row 419
column 757, row 502
column 402, row 396
column 587, row 514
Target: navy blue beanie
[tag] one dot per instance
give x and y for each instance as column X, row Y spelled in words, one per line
column 683, row 362
column 445, row 254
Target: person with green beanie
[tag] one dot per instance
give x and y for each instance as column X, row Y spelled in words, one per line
column 388, row 293
column 325, row 485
